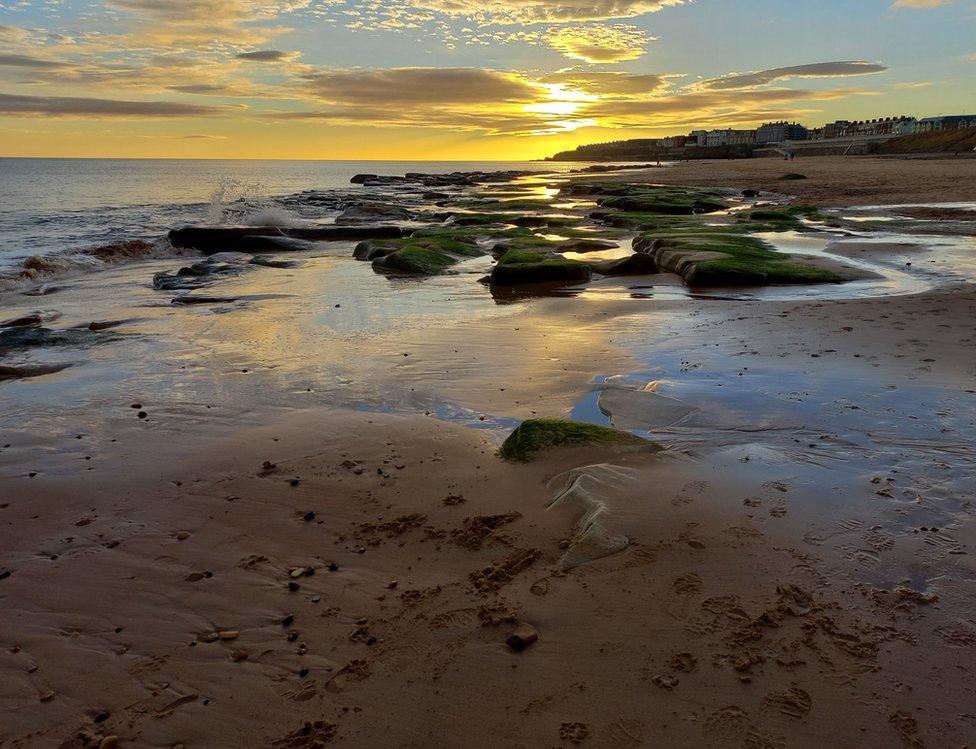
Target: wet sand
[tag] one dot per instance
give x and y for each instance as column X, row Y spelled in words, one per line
column 837, row 181
column 298, row 573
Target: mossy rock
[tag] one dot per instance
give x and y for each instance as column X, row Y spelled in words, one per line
column 535, row 435
column 638, row 264
column 525, row 266
column 713, row 257
column 417, row 260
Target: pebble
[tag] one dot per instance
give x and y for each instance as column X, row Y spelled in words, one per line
column 308, row 516
column 316, row 599
column 524, row 635
column 293, row 586
column 358, row 470
column 303, row 673
column 288, row 620
column 298, row 572
column 182, row 535
column 101, row 717
column 228, row 634
column 108, row 742
column 48, row 695
column 142, row 414
column 239, row 655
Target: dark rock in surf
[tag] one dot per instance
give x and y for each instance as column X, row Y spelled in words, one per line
column 364, row 213
column 212, row 239
column 261, row 243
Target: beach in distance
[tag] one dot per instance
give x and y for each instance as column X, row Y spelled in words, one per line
column 309, row 454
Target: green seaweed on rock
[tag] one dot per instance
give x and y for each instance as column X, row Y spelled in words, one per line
column 535, row 435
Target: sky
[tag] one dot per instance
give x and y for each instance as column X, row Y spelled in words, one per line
column 458, row 79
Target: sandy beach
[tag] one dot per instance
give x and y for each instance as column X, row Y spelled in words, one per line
column 839, row 181
column 346, row 567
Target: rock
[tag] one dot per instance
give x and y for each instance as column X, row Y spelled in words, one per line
column 750, row 193
column 47, row 696
column 587, row 245
column 213, row 239
column 361, row 179
column 182, row 535
column 108, row 742
column 370, row 249
column 18, row 322
column 638, row 264
column 189, row 299
column 101, row 716
column 228, row 634
column 269, row 262
column 308, row 516
column 362, row 213
column 522, row 637
column 519, row 267
column 28, row 370
column 288, row 620
column 239, row 655
column 259, row 243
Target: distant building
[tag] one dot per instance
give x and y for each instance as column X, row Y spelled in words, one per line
column 716, row 138
column 674, row 141
column 741, row 137
column 777, row 132
column 696, row 138
column 836, row 129
column 948, row 122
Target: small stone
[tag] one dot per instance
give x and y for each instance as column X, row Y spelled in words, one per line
column 293, row 586
column 298, row 572
column 47, row 696
column 239, row 655
column 358, row 470
column 392, row 584
column 228, row 634
column 316, row 599
column 108, row 742
column 523, row 636
column 136, row 405
column 182, row 535
column 308, row 516
column 332, row 567
column 101, row 717
column 296, row 482
column 142, row 414
column 665, row 682
column 303, row 673
column 288, row 620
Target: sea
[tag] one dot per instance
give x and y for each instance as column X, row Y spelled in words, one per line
column 60, row 208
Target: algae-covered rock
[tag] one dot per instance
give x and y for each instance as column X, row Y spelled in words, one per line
column 535, row 435
column 517, row 267
column 638, row 264
column 416, row 259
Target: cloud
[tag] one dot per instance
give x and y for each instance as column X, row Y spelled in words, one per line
column 26, row 61
column 815, row 70
column 74, row 106
column 265, row 55
column 921, row 3
column 610, row 83
column 393, row 87
column 598, row 43
column 543, row 11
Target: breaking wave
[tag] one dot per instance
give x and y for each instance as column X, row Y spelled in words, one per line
column 52, row 265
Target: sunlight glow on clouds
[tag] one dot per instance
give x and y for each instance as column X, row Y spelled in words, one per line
column 502, row 68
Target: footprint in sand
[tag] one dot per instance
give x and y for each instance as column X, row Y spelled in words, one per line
column 794, row 702
column 625, row 732
column 732, row 727
column 689, row 492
